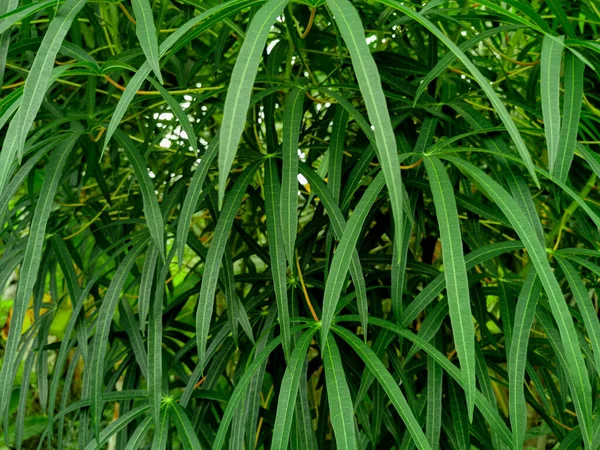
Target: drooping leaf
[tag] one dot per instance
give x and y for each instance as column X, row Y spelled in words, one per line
column 292, row 122
column 146, row 33
column 552, row 50
column 369, row 82
column 524, row 315
column 340, row 401
column 215, row 255
column 289, row 390
column 240, row 90
column 455, row 271
column 576, row 368
column 35, row 86
column 31, row 263
column 570, row 119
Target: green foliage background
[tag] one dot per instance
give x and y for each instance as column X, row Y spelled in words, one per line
column 308, row 225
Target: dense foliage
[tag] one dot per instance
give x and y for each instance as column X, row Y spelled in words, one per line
column 309, row 225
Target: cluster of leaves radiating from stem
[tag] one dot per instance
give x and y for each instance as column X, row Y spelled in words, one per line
column 315, row 224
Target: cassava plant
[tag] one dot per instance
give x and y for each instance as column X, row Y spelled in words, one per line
column 316, row 224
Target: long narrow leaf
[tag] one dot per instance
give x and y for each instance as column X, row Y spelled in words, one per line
column 455, row 272
column 242, row 80
column 146, row 33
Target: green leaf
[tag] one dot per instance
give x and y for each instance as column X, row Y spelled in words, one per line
column 191, row 198
column 14, row 15
column 343, row 254
column 240, row 390
column 490, row 412
column 340, row 401
column 178, row 111
column 116, row 426
column 433, row 421
column 146, row 282
column 352, row 30
column 435, row 287
column 576, row 368
column 478, row 76
column 215, row 256
column 36, row 86
column 585, row 305
column 22, row 174
column 390, row 386
column 569, row 130
column 288, row 392
column 336, row 152
column 161, row 429
column 31, row 263
column 146, row 33
column 292, row 123
column 557, row 9
column 552, row 50
column 155, row 341
column 199, row 24
column 240, row 90
column 277, row 253
column 185, row 430
column 7, row 7
column 338, row 224
column 536, row 22
column 136, row 439
column 524, row 314
column 455, row 271
column 448, row 59
column 151, row 209
column 94, row 375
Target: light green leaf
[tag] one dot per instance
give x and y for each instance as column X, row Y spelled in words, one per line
column 576, row 367
column 569, row 130
column 340, row 401
column 478, row 76
column 240, row 87
column 517, row 355
column 369, row 81
column 343, row 254
column 388, row 383
column 552, row 50
column 36, row 85
column 191, row 198
column 215, row 256
column 154, row 218
column 146, row 33
column 28, row 273
column 286, row 401
column 292, row 123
